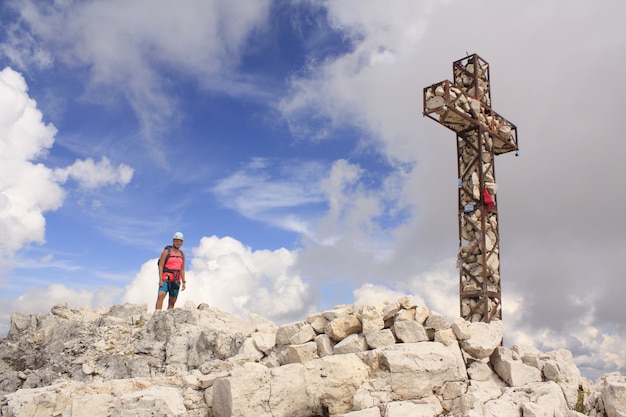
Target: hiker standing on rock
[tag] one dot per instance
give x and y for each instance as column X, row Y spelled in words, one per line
column 171, row 272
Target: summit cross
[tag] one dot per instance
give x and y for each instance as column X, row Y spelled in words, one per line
column 464, row 106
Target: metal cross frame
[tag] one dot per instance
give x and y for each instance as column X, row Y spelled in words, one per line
column 464, row 106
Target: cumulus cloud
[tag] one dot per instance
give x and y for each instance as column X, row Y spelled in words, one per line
column 28, row 188
column 91, row 175
column 224, row 273
column 372, row 294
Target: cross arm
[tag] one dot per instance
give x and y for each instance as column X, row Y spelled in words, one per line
column 453, row 108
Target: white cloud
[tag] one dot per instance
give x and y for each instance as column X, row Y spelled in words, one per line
column 91, row 175
column 124, row 44
column 368, row 87
column 351, row 207
column 357, row 238
column 438, row 287
column 28, row 188
column 265, row 189
column 222, row 272
column 22, row 49
column 372, row 295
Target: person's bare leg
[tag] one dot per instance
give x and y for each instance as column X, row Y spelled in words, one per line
column 159, row 301
column 170, row 303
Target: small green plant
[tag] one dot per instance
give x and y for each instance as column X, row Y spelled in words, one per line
column 580, row 403
column 110, row 348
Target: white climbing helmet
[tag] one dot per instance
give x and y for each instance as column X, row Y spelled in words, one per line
column 178, row 235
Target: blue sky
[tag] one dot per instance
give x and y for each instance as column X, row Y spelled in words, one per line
column 286, row 141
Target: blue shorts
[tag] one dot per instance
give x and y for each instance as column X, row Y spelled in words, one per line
column 171, row 288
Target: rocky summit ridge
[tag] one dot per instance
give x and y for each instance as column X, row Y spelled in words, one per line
column 397, row 359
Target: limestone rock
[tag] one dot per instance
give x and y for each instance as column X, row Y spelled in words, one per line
column 612, row 391
column 407, row 302
column 368, row 412
column 243, row 394
column 262, row 325
column 299, row 353
column 429, row 406
column 333, row 380
column 339, row 311
column 409, row 331
column 294, row 333
column 436, row 321
column 265, row 342
column 371, row 319
column 318, row 322
column 405, row 314
column 380, row 338
column 560, row 368
column 394, row 360
column 324, row 345
column 479, row 339
column 416, row 367
column 511, row 369
column 341, row 327
column 391, row 310
column 421, row 314
column 445, row 336
column 351, row 344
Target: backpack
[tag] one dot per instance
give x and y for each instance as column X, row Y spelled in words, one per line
column 169, row 252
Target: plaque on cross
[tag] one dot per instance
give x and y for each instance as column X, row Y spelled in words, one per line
column 464, row 106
